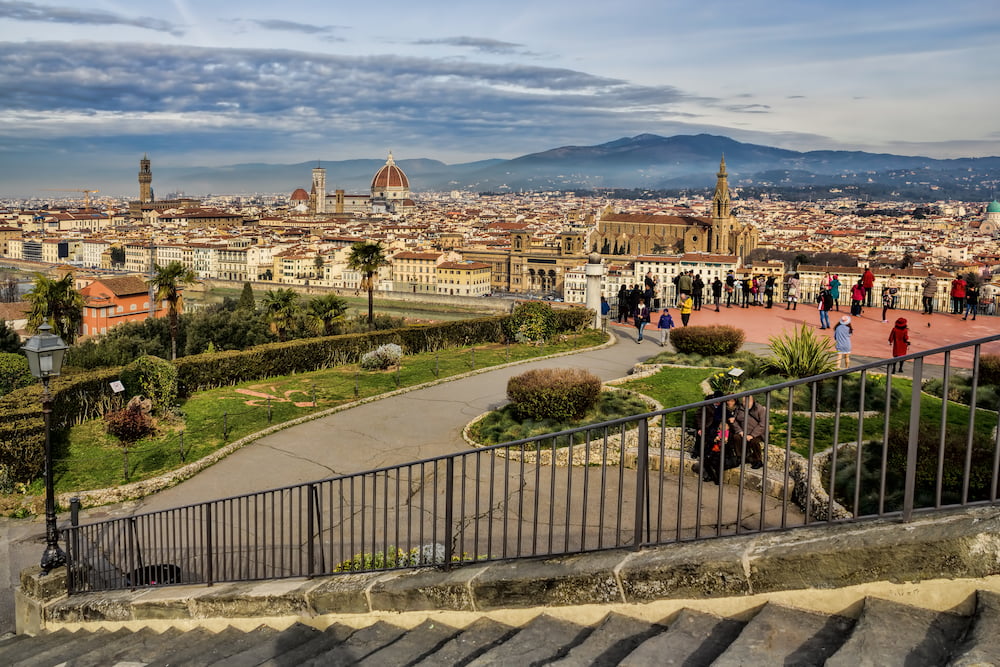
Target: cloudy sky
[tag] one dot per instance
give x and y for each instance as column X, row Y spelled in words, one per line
column 212, row 82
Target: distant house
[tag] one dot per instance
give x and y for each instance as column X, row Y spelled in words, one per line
column 16, row 316
column 113, row 301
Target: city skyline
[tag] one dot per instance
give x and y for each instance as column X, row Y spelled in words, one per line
column 102, row 81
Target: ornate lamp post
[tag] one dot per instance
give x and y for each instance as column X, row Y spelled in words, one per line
column 45, row 352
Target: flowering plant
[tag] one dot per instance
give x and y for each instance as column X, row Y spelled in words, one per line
column 724, row 381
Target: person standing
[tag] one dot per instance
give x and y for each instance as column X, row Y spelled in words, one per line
column 928, row 290
column 745, row 289
column 868, row 282
column 792, row 291
column 825, row 306
column 651, row 282
column 958, row 286
column 825, row 283
column 971, row 300
column 769, row 290
column 633, row 300
column 835, row 291
column 685, row 305
column 622, row 303
column 857, row 298
column 665, row 324
column 899, row 339
column 717, row 292
column 842, row 341
column 697, row 291
column 641, row 317
column 684, row 283
column 730, row 287
column 893, row 286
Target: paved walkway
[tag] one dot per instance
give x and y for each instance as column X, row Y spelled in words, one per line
column 429, row 421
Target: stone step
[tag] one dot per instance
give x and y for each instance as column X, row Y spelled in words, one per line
column 541, row 640
column 139, row 647
column 360, row 644
column 12, row 651
column 418, row 643
column 614, row 638
column 296, row 655
column 784, row 635
column 890, row 633
column 982, row 641
column 692, row 638
column 203, row 647
column 66, row 650
column 476, row 639
column 272, row 646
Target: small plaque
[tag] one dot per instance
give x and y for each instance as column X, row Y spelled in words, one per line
column 117, row 387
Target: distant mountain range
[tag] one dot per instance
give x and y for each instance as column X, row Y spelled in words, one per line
column 644, row 162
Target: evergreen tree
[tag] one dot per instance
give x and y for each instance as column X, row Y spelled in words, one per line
column 9, row 340
column 167, row 282
column 367, row 257
column 247, row 300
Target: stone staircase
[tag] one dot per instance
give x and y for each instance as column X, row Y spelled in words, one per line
column 883, row 633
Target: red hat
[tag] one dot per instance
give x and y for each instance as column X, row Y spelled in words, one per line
column 901, row 322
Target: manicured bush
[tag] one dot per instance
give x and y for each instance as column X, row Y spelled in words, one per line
column 531, row 321
column 715, row 339
column 382, row 357
column 553, row 393
column 989, row 369
column 154, row 378
column 14, row 372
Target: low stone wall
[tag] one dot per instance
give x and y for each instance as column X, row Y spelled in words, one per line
column 963, row 543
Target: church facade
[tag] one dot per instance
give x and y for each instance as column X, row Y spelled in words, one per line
column 642, row 234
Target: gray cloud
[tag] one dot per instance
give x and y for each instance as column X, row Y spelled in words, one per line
column 480, row 44
column 292, row 26
column 29, row 11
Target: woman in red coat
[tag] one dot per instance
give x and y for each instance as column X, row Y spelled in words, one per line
column 899, row 338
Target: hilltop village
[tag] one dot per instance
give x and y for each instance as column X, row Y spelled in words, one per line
column 528, row 245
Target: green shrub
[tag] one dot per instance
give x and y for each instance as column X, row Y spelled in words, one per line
column 531, row 321
column 14, row 372
column 801, row 353
column 715, row 339
column 382, row 357
column 154, row 378
column 553, row 393
column 989, row 369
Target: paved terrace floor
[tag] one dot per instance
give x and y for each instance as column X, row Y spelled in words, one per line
column 429, row 422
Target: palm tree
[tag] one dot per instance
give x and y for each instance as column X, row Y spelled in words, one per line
column 323, row 311
column 57, row 303
column 167, row 282
column 367, row 257
column 281, row 309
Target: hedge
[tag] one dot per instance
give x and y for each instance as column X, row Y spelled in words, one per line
column 80, row 397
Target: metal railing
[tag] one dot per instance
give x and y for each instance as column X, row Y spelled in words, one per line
column 843, row 446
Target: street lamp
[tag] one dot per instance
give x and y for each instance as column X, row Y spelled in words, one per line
column 45, row 352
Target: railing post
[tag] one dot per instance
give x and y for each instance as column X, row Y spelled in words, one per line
column 310, row 527
column 449, row 497
column 640, row 481
column 209, row 570
column 910, row 480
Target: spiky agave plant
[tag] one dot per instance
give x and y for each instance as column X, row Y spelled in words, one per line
column 801, row 353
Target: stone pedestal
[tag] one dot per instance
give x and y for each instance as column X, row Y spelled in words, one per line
column 36, row 590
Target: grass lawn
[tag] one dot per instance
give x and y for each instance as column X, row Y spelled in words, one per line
column 85, row 457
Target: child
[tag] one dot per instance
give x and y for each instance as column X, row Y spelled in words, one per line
column 842, row 341
column 899, row 338
column 887, row 299
column 665, row 324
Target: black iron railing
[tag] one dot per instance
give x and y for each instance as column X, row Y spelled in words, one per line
column 844, row 446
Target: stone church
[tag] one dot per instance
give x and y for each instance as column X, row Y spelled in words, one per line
column 643, row 234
